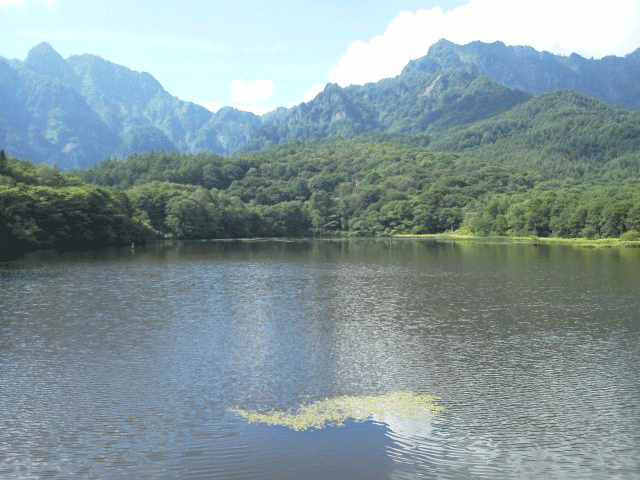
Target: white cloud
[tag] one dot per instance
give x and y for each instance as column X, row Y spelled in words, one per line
column 592, row 28
column 250, row 96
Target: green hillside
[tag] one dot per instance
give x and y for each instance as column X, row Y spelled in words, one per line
column 562, row 164
column 563, row 135
column 41, row 208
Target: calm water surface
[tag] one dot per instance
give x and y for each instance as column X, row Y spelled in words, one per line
column 121, row 365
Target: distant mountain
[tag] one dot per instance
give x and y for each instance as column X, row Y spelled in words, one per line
column 411, row 103
column 78, row 111
column 614, row 80
column 46, row 120
column 74, row 112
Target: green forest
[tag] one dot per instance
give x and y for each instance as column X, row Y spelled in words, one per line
column 560, row 165
column 42, row 208
column 363, row 186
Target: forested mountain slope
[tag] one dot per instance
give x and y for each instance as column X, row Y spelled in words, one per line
column 75, row 112
column 562, row 134
column 78, row 111
column 561, row 164
column 409, row 103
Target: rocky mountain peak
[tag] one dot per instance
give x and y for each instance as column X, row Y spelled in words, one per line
column 43, row 51
column 44, row 60
column 610, row 79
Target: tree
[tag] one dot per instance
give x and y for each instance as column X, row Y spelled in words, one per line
column 633, row 218
column 192, row 217
column 320, row 207
column 3, row 162
column 614, row 217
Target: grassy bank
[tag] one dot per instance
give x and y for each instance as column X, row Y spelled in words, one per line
column 533, row 240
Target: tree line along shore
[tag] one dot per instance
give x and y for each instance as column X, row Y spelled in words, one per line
column 361, row 187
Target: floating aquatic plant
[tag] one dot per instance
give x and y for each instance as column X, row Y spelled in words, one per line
column 334, row 411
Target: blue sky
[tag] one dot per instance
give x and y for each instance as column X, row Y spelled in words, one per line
column 258, row 55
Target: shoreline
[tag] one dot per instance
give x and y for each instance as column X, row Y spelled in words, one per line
column 448, row 237
column 532, row 240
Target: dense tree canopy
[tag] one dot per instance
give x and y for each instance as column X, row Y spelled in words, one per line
column 41, row 208
column 561, row 164
column 375, row 185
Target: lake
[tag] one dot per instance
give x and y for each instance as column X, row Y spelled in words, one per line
column 130, row 364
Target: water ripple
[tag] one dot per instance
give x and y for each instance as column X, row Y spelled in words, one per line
column 125, row 367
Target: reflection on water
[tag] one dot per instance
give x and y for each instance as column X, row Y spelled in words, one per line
column 121, row 365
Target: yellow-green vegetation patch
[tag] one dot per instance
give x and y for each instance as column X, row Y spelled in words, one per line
column 334, row 411
column 623, row 241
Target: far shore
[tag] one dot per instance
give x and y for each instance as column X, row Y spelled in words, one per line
column 451, row 236
column 533, row 240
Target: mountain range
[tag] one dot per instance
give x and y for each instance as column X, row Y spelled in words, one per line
column 77, row 111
